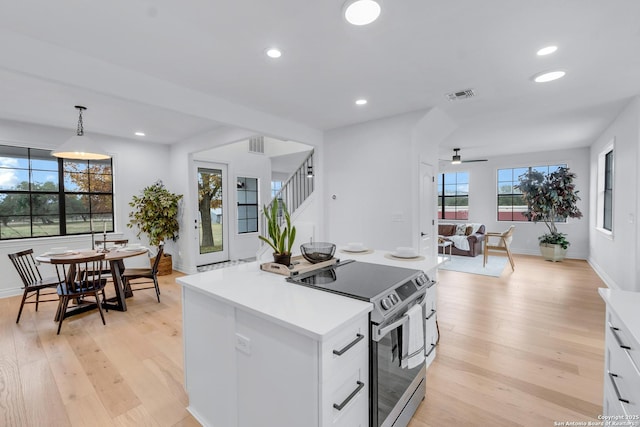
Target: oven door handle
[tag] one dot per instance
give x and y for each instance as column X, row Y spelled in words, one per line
column 379, row 333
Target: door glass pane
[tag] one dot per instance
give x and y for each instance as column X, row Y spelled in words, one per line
column 210, row 209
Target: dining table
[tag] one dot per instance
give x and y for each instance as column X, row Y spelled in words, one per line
column 115, row 257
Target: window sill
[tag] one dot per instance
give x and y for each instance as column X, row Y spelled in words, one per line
column 605, row 233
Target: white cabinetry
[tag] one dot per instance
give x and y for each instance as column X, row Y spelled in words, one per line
column 430, row 325
column 622, row 355
column 244, row 369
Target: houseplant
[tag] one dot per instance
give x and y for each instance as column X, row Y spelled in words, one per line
column 155, row 213
column 280, row 239
column 550, row 198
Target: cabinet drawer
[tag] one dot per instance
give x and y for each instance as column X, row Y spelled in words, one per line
column 622, row 377
column 349, row 345
column 430, row 299
column 611, row 405
column 346, row 399
column 622, row 338
column 431, row 336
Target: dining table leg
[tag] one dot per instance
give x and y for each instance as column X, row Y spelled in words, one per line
column 118, row 302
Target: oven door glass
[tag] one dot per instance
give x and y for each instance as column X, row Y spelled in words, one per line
column 391, row 382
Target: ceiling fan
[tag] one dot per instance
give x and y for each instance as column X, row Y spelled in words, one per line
column 457, row 159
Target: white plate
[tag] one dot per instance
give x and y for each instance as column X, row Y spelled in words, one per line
column 138, row 248
column 67, row 252
column 404, row 256
column 355, row 251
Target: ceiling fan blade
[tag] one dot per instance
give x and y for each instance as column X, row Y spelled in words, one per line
column 477, row 160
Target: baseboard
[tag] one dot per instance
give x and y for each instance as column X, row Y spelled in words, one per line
column 611, row 284
column 11, row 292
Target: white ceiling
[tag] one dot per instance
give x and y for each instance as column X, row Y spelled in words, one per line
column 56, row 54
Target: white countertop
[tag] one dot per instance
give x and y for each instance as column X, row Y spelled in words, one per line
column 312, row 312
column 625, row 304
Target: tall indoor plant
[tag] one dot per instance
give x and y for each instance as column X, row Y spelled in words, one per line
column 280, row 239
column 549, row 198
column 155, row 213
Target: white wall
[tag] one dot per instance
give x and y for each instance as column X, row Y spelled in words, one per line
column 483, row 198
column 131, row 174
column 371, row 179
column 615, row 257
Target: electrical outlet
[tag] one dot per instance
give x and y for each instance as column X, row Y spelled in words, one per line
column 243, row 344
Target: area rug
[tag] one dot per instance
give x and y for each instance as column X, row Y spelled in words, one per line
column 473, row 265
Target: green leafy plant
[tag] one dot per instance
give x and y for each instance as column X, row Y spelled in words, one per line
column 549, row 198
column 280, row 239
column 155, row 213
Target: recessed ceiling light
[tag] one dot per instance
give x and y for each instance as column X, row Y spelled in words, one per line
column 274, row 53
column 547, row 50
column 361, row 101
column 361, row 12
column 548, row 76
column 139, row 134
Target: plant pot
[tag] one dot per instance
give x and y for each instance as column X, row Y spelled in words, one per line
column 552, row 252
column 166, row 265
column 284, row 259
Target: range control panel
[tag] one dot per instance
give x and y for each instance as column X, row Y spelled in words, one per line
column 403, row 291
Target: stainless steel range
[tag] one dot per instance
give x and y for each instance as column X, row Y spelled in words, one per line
column 395, row 389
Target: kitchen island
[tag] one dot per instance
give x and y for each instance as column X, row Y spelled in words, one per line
column 262, row 351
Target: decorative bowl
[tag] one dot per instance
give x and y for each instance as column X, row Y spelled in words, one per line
column 316, row 252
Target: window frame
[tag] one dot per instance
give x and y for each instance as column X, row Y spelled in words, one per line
column 59, row 195
column 514, row 181
column 602, row 201
column 245, row 205
column 443, row 196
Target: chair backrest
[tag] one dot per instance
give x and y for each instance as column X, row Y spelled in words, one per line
column 26, row 266
column 82, row 273
column 507, row 236
column 156, row 263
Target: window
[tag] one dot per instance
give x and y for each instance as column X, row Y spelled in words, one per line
column 511, row 206
column 276, row 186
column 605, row 190
column 43, row 196
column 247, row 205
column 608, row 192
column 453, row 195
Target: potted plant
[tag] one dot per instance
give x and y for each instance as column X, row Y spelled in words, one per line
column 549, row 198
column 280, row 239
column 155, row 213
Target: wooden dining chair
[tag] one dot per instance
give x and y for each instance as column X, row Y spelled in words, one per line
column 148, row 275
column 32, row 280
column 80, row 278
column 503, row 244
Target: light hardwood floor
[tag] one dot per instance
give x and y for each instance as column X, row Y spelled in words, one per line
column 525, row 349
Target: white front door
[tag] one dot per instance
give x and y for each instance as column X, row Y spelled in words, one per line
column 428, row 235
column 212, row 222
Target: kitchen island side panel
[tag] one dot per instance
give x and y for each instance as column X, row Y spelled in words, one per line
column 209, row 359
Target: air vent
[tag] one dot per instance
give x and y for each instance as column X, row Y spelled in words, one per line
column 463, row 94
column 256, row 145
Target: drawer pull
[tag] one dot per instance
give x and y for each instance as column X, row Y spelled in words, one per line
column 430, row 314
column 617, row 337
column 351, row 396
column 615, row 387
column 433, row 347
column 342, row 351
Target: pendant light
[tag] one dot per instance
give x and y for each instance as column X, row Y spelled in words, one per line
column 80, row 147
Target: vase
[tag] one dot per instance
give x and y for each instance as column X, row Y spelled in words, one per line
column 165, row 267
column 284, row 259
column 552, row 252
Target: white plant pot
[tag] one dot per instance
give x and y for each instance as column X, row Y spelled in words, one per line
column 552, row 252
